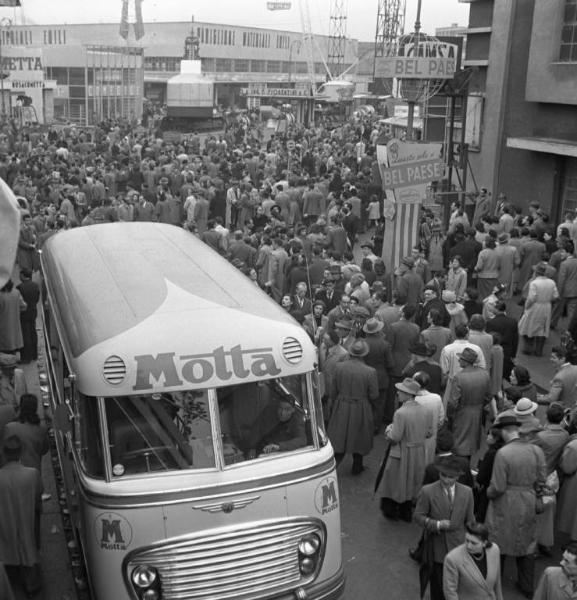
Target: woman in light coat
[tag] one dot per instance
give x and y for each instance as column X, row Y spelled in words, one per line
column 536, row 320
column 472, row 571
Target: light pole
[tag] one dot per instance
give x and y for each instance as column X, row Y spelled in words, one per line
column 293, row 43
column 5, row 23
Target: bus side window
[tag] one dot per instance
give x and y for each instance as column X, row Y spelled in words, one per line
column 87, row 436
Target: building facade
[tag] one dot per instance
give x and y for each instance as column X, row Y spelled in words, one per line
column 99, row 74
column 525, row 54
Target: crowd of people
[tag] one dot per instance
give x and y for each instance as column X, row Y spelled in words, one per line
column 425, row 355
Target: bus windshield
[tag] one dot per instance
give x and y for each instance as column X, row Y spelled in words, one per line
column 175, row 431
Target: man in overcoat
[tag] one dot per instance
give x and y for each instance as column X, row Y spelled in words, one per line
column 443, row 509
column 518, row 476
column 470, row 394
column 405, row 464
column 351, row 423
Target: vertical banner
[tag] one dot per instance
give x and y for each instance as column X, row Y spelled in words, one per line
column 123, row 30
column 138, row 24
column 406, row 169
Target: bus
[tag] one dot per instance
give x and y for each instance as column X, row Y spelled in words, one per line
column 188, row 423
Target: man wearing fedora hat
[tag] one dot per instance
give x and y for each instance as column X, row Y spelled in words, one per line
column 421, row 361
column 443, row 509
column 406, row 461
column 409, row 284
column 351, row 424
column 518, row 475
column 470, row 394
column 381, row 359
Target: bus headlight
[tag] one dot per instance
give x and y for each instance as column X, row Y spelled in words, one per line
column 310, row 544
column 150, row 595
column 144, row 576
column 309, row 552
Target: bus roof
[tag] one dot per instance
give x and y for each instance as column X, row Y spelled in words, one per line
column 137, row 291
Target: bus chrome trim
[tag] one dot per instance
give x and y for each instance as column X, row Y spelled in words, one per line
column 127, row 500
column 253, row 561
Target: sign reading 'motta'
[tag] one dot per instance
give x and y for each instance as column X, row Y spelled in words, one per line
column 408, row 67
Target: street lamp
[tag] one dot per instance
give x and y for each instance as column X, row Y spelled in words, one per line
column 293, row 43
column 5, row 23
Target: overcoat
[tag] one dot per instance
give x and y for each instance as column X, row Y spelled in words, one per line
column 405, row 467
column 536, row 318
column 519, row 469
column 351, row 423
column 471, row 391
column 20, row 490
column 567, row 509
column 462, row 579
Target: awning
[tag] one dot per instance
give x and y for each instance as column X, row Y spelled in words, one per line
column 543, row 144
column 158, row 77
column 402, row 122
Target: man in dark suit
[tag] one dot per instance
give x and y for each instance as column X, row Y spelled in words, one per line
column 507, row 328
column 431, row 301
column 404, row 333
column 328, row 295
column 443, row 509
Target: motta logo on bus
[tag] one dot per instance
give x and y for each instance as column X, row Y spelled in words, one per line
column 199, row 368
column 112, row 531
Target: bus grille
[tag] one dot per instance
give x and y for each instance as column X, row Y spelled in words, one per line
column 253, row 563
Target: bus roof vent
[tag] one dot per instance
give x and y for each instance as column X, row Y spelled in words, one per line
column 292, row 350
column 114, row 370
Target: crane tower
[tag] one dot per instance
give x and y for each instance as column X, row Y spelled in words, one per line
column 337, row 37
column 390, row 25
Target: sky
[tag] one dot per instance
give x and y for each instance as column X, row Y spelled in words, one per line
column 361, row 14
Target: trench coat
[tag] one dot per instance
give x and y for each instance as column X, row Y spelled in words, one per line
column 462, row 579
column 405, row 467
column 519, row 469
column 470, row 393
column 567, row 509
column 351, row 422
column 20, row 490
column 536, row 318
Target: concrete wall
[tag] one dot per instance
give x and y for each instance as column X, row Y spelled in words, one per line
column 549, row 80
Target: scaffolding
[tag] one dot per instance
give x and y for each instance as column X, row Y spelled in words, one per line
column 337, row 37
column 114, row 83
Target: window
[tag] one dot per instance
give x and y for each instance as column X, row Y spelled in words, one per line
column 175, row 431
column 257, row 66
column 273, row 66
column 568, row 49
column 241, row 65
column 223, row 65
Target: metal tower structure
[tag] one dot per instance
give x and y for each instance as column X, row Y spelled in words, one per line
column 337, row 37
column 390, row 25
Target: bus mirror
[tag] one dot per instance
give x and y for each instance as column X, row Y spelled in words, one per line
column 63, row 418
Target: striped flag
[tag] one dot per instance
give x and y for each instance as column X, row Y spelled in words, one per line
column 9, row 231
column 405, row 231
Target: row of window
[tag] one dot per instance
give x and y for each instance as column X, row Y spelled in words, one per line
column 220, row 37
column 256, row 39
column 238, row 65
column 18, row 37
column 54, row 36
